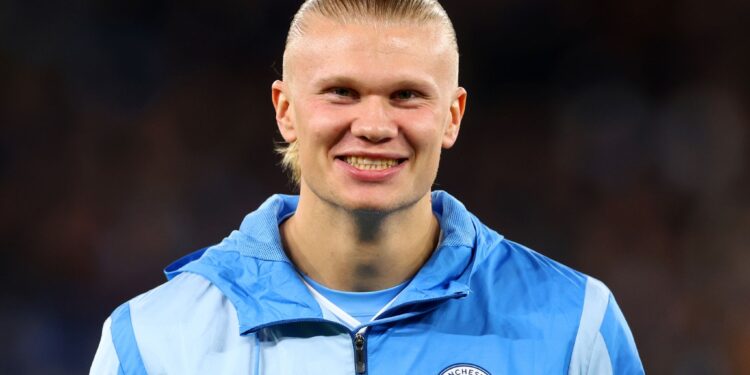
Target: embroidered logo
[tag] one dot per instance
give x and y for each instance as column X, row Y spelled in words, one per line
column 464, row 369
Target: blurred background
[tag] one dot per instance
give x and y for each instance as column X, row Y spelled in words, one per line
column 611, row 136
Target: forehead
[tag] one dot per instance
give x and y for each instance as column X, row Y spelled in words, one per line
column 371, row 48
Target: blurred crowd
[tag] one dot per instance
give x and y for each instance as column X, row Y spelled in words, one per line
column 611, row 136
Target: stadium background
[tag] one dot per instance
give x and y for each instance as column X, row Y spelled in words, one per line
column 612, row 136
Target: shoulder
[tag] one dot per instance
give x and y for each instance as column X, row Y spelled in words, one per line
column 530, row 289
column 187, row 296
column 544, row 284
column 159, row 330
column 188, row 303
column 577, row 305
column 604, row 343
column 515, row 265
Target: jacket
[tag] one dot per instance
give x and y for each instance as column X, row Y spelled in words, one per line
column 480, row 305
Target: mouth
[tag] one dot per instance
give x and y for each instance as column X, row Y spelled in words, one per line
column 371, row 164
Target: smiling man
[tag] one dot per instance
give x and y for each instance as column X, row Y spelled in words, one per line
column 368, row 271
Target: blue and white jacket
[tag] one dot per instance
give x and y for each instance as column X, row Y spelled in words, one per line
column 480, row 305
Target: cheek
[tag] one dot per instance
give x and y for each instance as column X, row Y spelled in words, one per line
column 319, row 122
column 424, row 129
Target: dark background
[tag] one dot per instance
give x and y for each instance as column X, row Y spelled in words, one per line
column 609, row 135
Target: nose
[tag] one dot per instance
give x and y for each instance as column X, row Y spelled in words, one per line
column 373, row 122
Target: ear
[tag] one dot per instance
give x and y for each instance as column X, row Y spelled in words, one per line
column 280, row 97
column 458, row 106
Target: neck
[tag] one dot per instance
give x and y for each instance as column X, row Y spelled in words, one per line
column 359, row 250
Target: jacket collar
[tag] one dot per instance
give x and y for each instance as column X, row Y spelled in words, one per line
column 252, row 270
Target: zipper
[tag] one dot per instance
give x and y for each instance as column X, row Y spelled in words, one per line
column 382, row 319
column 360, row 356
column 359, row 338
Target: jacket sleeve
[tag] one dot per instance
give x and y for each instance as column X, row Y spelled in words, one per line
column 619, row 346
column 105, row 360
column 118, row 351
column 604, row 344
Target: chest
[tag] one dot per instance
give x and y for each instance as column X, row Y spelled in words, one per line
column 410, row 349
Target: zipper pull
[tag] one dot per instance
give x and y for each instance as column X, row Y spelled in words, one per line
column 359, row 353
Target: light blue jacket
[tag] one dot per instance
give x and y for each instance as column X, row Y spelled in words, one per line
column 480, row 305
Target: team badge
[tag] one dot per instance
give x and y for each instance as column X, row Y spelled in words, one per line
column 464, row 369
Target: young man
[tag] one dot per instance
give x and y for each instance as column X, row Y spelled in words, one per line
column 368, row 271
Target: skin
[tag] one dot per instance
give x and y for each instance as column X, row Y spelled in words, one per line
column 366, row 89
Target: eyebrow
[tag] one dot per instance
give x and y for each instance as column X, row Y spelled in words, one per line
column 335, row 81
column 347, row 81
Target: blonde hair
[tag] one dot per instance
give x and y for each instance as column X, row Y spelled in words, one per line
column 290, row 160
column 417, row 12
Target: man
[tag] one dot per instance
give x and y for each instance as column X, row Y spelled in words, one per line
column 368, row 271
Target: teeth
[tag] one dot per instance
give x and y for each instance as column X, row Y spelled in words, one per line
column 370, row 164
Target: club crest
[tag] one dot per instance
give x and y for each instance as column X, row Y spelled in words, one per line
column 464, row 369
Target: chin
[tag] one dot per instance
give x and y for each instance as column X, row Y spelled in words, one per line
column 364, row 199
column 366, row 204
column 371, row 208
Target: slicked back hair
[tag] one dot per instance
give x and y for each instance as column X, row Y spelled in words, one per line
column 387, row 12
column 417, row 12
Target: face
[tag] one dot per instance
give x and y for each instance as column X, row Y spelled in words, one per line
column 371, row 107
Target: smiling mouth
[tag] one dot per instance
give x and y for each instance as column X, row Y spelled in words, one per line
column 371, row 164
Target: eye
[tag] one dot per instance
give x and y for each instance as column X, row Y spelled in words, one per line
column 405, row 95
column 342, row 91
